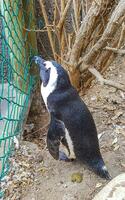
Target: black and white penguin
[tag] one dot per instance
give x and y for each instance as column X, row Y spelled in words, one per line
column 71, row 123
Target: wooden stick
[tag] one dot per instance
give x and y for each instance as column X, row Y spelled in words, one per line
column 74, row 24
column 89, row 23
column 41, row 129
column 64, row 61
column 75, row 7
column 47, row 26
column 116, row 50
column 61, row 32
column 115, row 21
column 56, row 4
column 103, row 81
column 122, row 35
column 61, row 21
column 43, row 48
column 36, row 30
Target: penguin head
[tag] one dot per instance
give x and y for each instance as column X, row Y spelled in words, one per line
column 52, row 74
column 45, row 69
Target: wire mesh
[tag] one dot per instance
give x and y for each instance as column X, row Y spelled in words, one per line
column 16, row 83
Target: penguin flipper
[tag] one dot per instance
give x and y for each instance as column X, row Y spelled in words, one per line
column 54, row 135
column 53, row 147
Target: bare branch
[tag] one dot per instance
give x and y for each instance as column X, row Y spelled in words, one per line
column 116, row 50
column 122, row 35
column 56, row 5
column 74, row 24
column 105, row 81
column 61, row 21
column 47, row 26
column 38, row 30
column 89, row 23
column 75, row 7
column 115, row 21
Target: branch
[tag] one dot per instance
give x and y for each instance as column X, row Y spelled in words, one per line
column 75, row 7
column 122, row 35
column 103, row 81
column 47, row 26
column 37, row 30
column 89, row 23
column 61, row 21
column 56, row 4
column 116, row 50
column 67, row 64
column 115, row 21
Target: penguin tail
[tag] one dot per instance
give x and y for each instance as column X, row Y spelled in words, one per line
column 98, row 166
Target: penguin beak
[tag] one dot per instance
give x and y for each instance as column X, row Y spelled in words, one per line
column 44, row 72
column 38, row 60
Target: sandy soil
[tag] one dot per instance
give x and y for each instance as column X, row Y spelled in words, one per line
column 52, row 179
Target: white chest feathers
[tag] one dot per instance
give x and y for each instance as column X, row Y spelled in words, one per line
column 70, row 154
column 51, row 86
column 70, row 145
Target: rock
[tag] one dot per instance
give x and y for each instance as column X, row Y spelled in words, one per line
column 114, row 190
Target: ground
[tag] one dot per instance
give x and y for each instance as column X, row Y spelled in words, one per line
column 36, row 175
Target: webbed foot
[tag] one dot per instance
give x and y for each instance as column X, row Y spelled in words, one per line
column 63, row 156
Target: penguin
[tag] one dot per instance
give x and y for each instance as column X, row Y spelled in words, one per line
column 71, row 122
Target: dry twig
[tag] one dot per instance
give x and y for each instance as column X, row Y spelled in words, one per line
column 47, row 26
column 116, row 50
column 62, row 19
column 41, row 129
column 122, row 35
column 103, row 81
column 115, row 21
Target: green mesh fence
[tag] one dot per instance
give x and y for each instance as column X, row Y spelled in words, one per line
column 16, row 83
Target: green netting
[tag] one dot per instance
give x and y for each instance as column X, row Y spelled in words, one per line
column 16, row 83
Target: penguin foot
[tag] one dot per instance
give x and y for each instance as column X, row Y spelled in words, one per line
column 62, row 156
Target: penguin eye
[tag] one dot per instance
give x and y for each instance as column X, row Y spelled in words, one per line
column 48, row 70
column 44, row 64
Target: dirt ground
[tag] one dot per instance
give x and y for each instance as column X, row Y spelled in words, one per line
column 47, row 179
